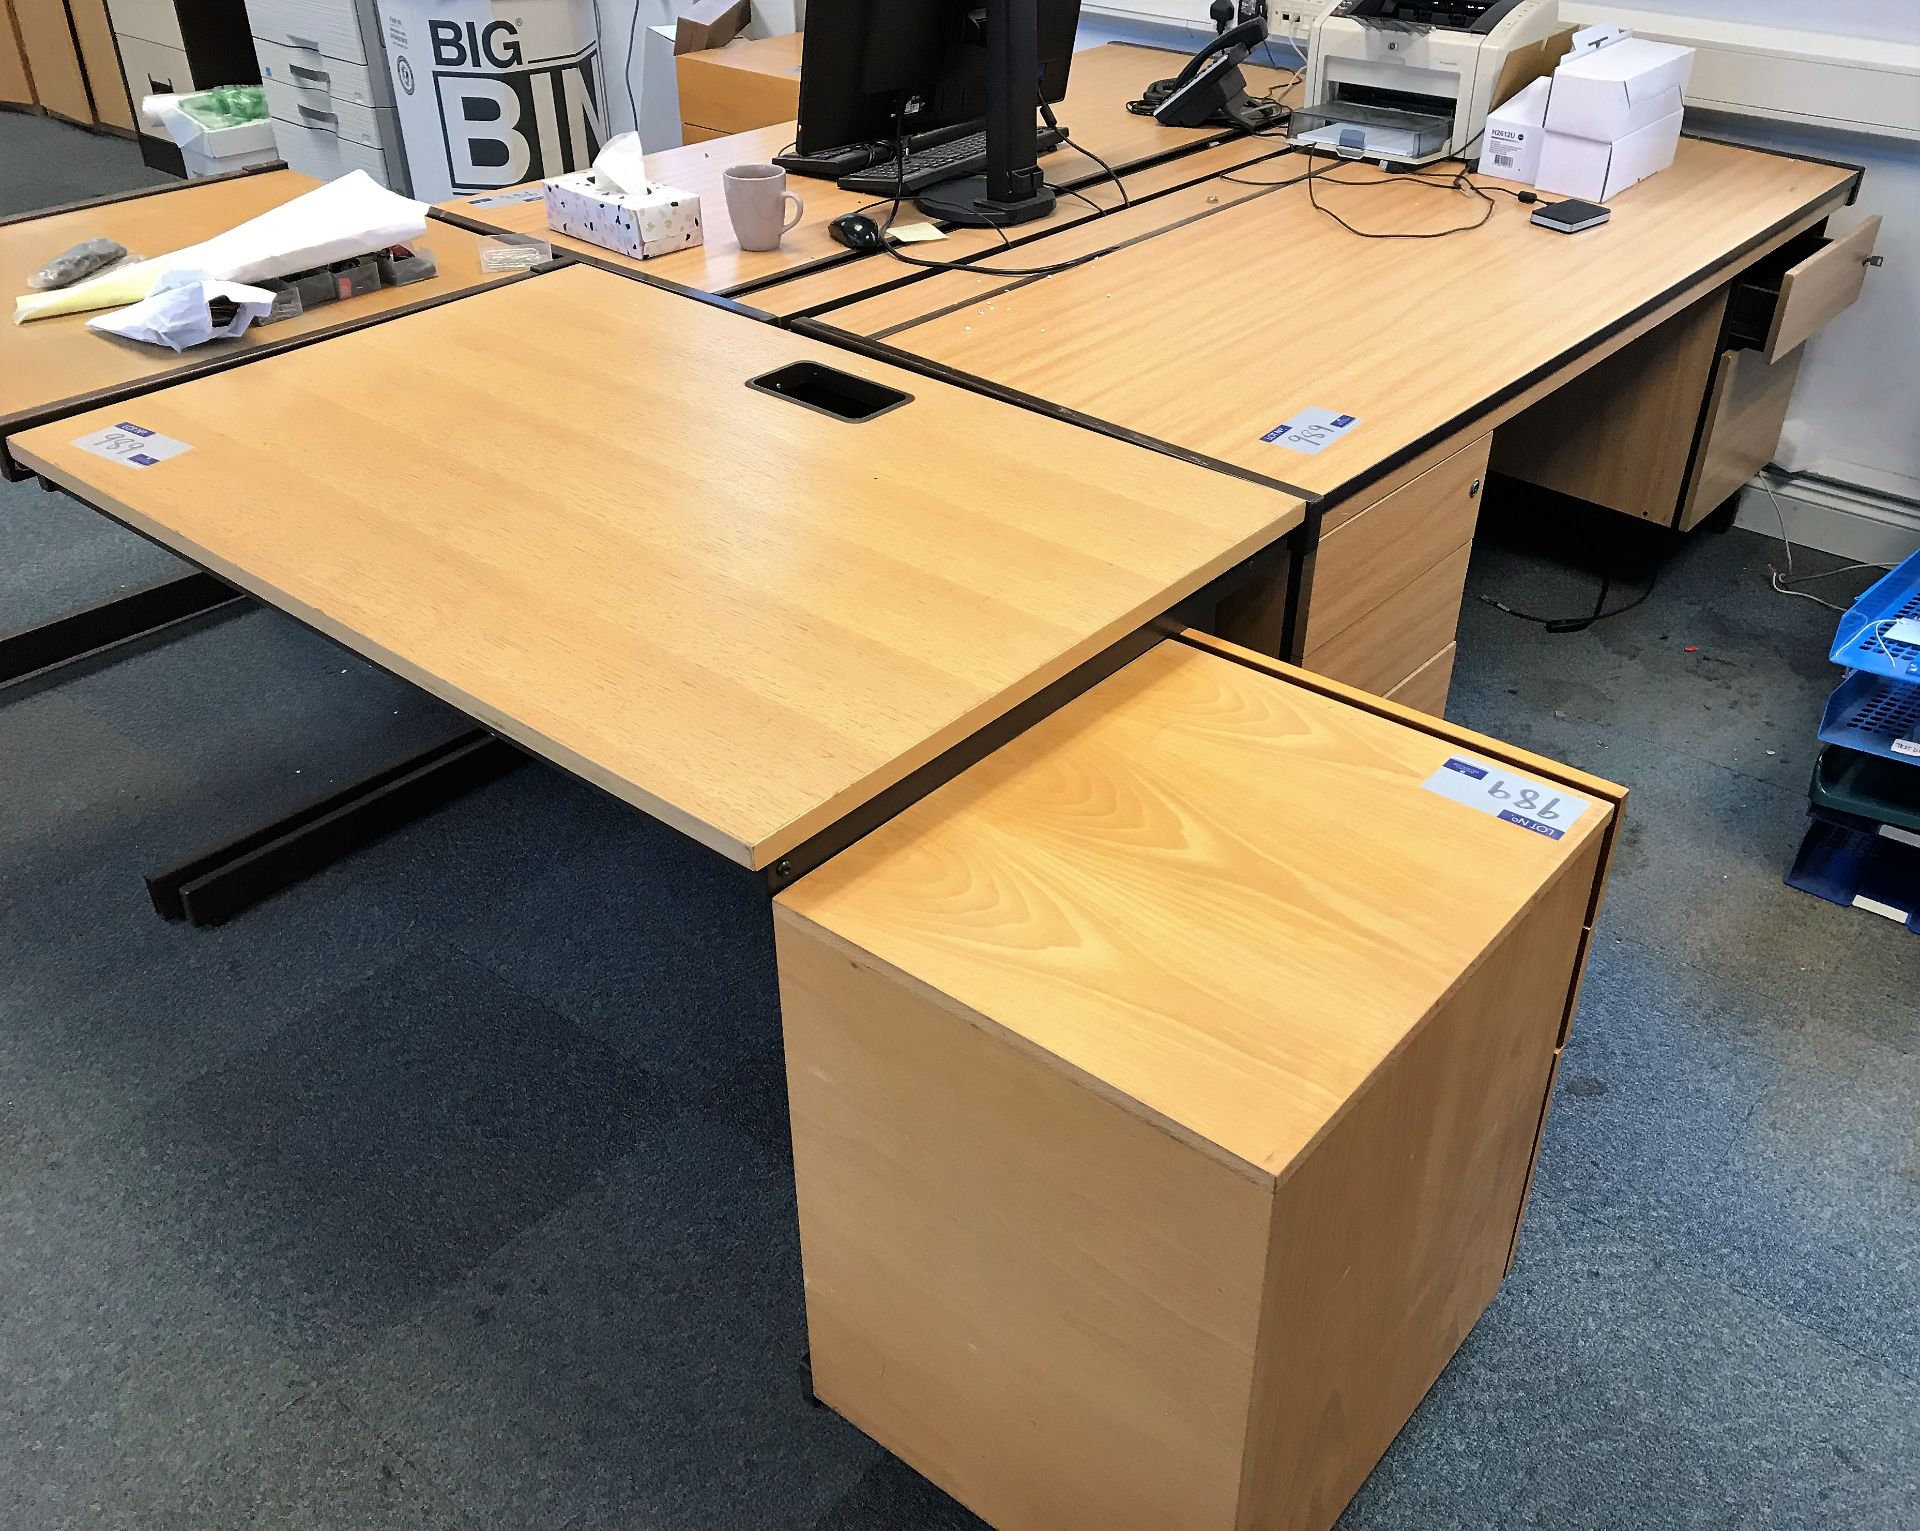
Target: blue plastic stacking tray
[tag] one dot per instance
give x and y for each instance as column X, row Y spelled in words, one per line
column 1869, row 712
column 1855, row 865
column 1860, row 642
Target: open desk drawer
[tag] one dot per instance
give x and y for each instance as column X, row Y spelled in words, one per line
column 1166, row 1087
column 1781, row 303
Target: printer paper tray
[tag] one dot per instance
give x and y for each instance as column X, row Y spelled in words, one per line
column 1384, row 132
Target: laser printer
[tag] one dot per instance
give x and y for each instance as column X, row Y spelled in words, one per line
column 1407, row 82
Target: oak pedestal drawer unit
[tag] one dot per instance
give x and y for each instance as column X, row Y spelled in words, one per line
column 1165, row 1090
column 1671, row 426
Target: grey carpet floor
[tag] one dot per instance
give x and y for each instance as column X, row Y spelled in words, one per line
column 451, row 1189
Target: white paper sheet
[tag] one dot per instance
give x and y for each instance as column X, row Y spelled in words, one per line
column 344, row 218
column 175, row 314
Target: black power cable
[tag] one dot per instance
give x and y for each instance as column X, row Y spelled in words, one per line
column 1579, row 624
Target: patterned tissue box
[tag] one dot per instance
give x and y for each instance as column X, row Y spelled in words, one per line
column 656, row 221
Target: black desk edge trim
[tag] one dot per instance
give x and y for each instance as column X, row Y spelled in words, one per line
column 967, row 265
column 144, row 191
column 602, row 263
column 728, row 297
column 890, row 802
column 1726, row 264
column 1014, row 283
column 1439, row 727
column 1859, row 171
column 879, row 350
column 1040, row 229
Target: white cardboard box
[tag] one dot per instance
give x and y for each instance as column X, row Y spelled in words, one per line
column 1598, row 170
column 655, row 221
column 211, row 151
column 1511, row 149
column 1619, row 87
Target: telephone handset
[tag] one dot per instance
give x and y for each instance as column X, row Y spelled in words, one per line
column 1210, row 88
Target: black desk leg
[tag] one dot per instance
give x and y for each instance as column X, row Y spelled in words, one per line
column 214, row 886
column 96, row 631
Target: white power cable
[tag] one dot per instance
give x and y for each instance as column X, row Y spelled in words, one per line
column 1783, row 583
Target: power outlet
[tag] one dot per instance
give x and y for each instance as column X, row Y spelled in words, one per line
column 1290, row 20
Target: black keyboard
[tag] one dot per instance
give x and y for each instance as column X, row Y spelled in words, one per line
column 930, row 166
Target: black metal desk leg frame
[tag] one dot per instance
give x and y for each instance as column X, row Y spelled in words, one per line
column 214, row 886
column 95, row 632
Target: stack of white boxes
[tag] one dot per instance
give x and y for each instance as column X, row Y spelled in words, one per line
column 1612, row 114
column 325, row 77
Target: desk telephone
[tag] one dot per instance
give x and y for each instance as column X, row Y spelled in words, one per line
column 1210, row 87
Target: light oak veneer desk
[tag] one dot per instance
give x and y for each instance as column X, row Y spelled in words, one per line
column 1100, row 84
column 1431, row 344
column 742, row 615
column 1168, row 1074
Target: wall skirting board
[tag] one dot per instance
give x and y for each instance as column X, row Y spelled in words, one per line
column 1857, row 524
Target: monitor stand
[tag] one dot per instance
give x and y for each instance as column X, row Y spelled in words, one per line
column 1013, row 189
column 968, row 202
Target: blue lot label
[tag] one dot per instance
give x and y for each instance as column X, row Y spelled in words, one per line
column 1541, row 807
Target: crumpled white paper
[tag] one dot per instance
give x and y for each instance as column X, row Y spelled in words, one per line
column 344, row 218
column 621, row 163
column 176, row 313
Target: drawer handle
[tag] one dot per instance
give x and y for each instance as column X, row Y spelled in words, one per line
column 314, row 111
column 317, row 75
column 304, row 42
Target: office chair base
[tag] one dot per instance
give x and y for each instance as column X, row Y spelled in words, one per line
column 215, row 885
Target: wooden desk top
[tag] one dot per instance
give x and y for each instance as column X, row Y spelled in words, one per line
column 56, row 366
column 1102, row 81
column 558, row 507
column 1223, row 893
column 1410, row 336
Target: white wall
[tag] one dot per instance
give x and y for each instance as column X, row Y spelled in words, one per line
column 1884, row 20
column 1889, row 20
column 1856, row 409
column 616, row 16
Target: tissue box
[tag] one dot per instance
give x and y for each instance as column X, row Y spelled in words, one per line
column 657, row 220
column 1598, row 170
column 1514, row 130
column 1618, row 88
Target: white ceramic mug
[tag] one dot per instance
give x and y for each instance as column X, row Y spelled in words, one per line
column 756, row 202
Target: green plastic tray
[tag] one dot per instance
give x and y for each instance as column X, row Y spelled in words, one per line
column 1868, row 786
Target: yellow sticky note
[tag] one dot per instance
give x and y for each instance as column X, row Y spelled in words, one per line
column 915, row 233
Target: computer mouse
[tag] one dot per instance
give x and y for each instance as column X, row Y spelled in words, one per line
column 856, row 231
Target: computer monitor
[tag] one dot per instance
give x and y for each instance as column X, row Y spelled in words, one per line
column 873, row 71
